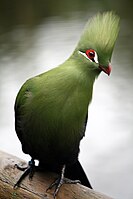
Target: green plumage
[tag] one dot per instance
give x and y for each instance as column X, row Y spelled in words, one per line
column 51, row 108
column 100, row 33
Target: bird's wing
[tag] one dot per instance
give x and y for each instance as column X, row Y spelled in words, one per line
column 20, row 102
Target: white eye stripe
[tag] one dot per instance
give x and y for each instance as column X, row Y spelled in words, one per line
column 95, row 58
column 84, row 54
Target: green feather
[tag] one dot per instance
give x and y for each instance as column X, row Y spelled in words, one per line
column 100, row 34
column 51, row 108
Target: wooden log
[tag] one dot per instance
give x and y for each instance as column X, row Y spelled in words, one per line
column 36, row 188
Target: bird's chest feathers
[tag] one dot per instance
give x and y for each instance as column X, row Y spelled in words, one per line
column 64, row 108
column 59, row 107
column 55, row 111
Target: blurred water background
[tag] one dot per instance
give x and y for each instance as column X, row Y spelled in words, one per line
column 38, row 35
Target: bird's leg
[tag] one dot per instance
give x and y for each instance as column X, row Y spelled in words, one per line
column 29, row 170
column 60, row 181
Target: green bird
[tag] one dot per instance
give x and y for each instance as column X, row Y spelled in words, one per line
column 51, row 109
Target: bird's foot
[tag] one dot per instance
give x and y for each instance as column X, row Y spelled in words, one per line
column 21, row 168
column 29, row 170
column 60, row 181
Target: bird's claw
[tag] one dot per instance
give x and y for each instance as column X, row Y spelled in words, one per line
column 20, row 167
column 59, row 182
column 29, row 170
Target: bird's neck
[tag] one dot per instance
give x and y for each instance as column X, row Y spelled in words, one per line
column 86, row 73
column 79, row 78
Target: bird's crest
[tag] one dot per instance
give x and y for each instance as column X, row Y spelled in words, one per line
column 100, row 33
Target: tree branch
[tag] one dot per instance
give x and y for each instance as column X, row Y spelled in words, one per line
column 36, row 188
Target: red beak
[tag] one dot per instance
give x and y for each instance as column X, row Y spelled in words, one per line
column 106, row 70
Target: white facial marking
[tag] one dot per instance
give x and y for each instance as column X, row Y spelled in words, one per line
column 84, row 54
column 95, row 58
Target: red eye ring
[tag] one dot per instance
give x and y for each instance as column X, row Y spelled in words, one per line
column 90, row 54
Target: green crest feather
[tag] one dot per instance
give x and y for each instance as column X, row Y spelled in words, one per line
column 100, row 33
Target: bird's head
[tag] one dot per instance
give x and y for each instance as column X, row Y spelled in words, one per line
column 97, row 42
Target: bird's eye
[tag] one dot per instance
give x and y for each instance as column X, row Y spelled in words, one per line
column 92, row 55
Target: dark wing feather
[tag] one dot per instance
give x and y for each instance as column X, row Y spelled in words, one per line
column 75, row 171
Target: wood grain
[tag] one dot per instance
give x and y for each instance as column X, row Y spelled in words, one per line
column 36, row 188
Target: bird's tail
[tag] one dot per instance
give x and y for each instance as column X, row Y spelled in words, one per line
column 76, row 172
